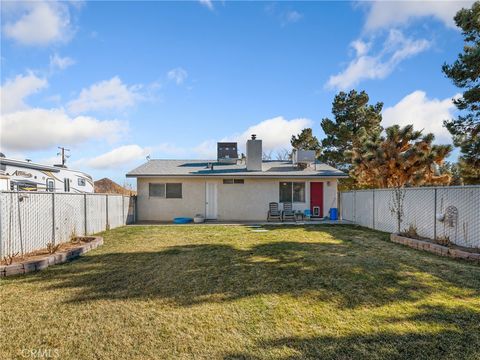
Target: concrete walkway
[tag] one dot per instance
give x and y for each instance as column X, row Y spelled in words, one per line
column 247, row 223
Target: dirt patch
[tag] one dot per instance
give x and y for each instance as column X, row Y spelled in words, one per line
column 42, row 253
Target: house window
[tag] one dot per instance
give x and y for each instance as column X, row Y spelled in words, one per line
column 174, row 191
column 66, row 185
column 81, row 182
column 233, row 181
column 292, row 192
column 298, row 192
column 169, row 190
column 50, row 185
column 156, row 190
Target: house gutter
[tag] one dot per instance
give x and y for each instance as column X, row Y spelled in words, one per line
column 239, row 176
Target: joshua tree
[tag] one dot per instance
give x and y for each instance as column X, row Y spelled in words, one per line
column 404, row 157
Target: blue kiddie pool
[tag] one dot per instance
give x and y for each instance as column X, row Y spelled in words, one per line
column 182, row 220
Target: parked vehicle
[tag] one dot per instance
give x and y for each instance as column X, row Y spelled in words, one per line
column 18, row 175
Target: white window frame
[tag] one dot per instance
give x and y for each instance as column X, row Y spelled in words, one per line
column 293, row 182
column 165, row 185
column 50, row 181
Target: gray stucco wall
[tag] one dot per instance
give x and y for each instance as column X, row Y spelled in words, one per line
column 248, row 201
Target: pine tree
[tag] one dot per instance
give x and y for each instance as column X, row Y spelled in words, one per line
column 465, row 73
column 452, row 169
column 404, row 157
column 306, row 141
column 354, row 118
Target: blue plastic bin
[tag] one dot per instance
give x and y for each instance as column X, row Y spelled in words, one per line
column 333, row 214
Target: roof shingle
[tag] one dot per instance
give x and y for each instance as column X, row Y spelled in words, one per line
column 157, row 167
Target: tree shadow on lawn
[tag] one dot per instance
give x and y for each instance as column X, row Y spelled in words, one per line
column 456, row 336
column 343, row 271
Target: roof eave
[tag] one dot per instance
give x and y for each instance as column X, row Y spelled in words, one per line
column 240, row 175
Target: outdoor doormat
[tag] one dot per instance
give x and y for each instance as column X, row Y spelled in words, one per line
column 42, row 259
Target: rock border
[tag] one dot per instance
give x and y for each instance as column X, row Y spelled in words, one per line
column 435, row 248
column 49, row 260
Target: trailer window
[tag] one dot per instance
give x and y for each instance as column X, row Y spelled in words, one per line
column 50, row 185
column 81, row 182
column 26, row 186
column 66, row 185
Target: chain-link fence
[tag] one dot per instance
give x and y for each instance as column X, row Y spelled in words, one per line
column 440, row 213
column 31, row 220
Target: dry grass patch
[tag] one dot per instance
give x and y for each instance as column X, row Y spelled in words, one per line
column 225, row 292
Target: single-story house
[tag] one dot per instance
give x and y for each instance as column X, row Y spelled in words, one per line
column 232, row 188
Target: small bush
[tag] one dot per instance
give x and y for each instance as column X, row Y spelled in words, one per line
column 443, row 240
column 52, row 248
column 411, row 232
column 9, row 258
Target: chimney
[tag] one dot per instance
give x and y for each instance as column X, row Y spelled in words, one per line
column 254, row 154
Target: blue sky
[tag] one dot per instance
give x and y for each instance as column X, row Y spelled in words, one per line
column 117, row 81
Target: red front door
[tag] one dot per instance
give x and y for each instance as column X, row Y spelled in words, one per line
column 316, row 199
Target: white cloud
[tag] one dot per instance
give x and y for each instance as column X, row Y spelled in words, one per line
column 38, row 22
column 179, row 75
column 118, row 157
column 61, row 63
column 206, row 150
column 275, row 133
column 106, row 95
column 396, row 48
column 14, row 91
column 170, row 149
column 360, row 47
column 291, row 16
column 285, row 17
column 40, row 129
column 423, row 113
column 207, row 3
column 384, row 14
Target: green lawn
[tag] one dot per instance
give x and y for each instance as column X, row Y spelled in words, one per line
column 225, row 292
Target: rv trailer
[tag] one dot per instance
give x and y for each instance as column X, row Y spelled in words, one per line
column 18, row 175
